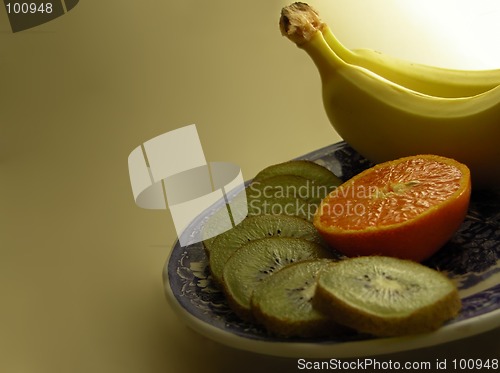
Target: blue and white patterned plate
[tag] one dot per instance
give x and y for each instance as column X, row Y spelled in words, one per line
column 471, row 258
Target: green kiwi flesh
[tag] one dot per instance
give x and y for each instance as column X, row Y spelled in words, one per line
column 385, row 296
column 303, row 168
column 257, row 227
column 282, row 302
column 258, row 259
column 221, row 218
column 285, row 194
column 290, row 206
column 225, row 218
column 292, row 188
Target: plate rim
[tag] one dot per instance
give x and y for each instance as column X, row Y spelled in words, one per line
column 327, row 349
column 296, row 349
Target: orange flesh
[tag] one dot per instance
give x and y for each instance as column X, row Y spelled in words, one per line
column 391, row 195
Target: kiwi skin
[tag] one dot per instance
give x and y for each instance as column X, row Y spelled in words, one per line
column 298, row 251
column 316, row 325
column 306, row 329
column 422, row 320
column 270, row 225
column 303, row 168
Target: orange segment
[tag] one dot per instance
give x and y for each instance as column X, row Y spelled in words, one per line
column 406, row 208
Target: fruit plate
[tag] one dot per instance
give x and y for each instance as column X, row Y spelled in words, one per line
column 470, row 258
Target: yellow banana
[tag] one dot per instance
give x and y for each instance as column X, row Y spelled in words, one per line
column 431, row 80
column 383, row 120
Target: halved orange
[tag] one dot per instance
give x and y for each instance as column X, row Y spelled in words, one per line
column 406, row 208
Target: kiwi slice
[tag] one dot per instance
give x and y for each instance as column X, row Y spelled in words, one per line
column 287, row 186
column 258, row 259
column 282, row 206
column 303, row 168
column 386, row 296
column 223, row 218
column 282, row 302
column 257, row 227
column 286, row 194
column 290, row 188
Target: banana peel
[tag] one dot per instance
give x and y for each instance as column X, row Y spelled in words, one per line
column 384, row 120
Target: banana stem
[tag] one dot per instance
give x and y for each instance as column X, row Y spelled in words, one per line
column 301, row 24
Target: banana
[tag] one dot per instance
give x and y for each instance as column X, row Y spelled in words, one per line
column 384, row 120
column 431, row 80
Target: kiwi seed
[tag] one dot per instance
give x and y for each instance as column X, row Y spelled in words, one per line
column 386, row 296
column 257, row 227
column 258, row 259
column 282, row 302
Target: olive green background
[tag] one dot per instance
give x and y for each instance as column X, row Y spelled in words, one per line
column 80, row 263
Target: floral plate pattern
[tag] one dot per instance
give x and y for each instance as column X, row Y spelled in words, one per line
column 471, row 258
